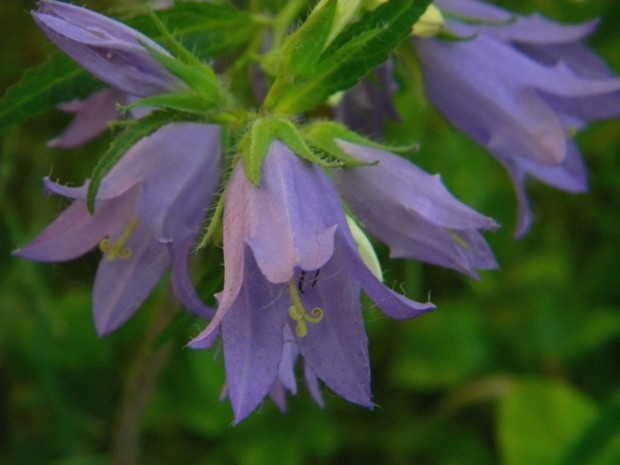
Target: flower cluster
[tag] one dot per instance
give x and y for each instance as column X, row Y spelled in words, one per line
column 295, row 257
column 521, row 87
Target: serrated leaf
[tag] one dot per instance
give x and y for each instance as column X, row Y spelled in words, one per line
column 56, row 81
column 358, row 49
column 124, row 141
column 301, row 50
column 209, row 29
column 199, row 77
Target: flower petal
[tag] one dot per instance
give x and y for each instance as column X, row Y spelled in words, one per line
column 252, row 331
column 106, row 48
column 92, row 118
column 336, row 348
column 75, row 231
column 290, row 215
column 122, row 285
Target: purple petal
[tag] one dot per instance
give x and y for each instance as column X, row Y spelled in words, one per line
column 108, row 49
column 474, row 10
column 181, row 280
column 278, row 395
column 286, row 371
column 252, row 331
column 187, row 164
column 395, row 180
column 289, row 223
column 490, row 104
column 312, row 383
column 536, row 29
column 92, row 118
column 122, row 285
column 75, row 231
column 336, row 348
column 412, row 212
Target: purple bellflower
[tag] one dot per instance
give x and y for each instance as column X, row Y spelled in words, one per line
column 148, row 211
column 412, row 212
column 111, row 51
column 293, row 275
column 521, row 87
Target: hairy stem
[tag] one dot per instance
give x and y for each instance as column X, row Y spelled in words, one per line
column 139, row 390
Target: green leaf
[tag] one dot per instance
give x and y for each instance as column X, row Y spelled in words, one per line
column 134, row 131
column 56, row 81
column 353, row 53
column 540, row 420
column 209, row 29
column 600, row 444
column 323, row 134
column 199, row 77
column 301, row 50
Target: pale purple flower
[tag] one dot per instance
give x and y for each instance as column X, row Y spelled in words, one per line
column 520, row 86
column 366, row 107
column 92, row 117
column 148, row 211
column 412, row 212
column 291, row 262
column 110, row 50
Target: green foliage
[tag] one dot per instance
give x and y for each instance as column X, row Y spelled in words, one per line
column 209, row 29
column 57, row 81
column 255, row 145
column 353, row 53
column 520, row 367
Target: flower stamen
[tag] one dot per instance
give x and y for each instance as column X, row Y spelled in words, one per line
column 119, row 250
column 298, row 313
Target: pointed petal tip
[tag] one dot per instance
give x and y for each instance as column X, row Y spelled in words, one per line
column 205, row 339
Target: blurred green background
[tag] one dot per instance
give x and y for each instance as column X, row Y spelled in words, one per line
column 521, row 368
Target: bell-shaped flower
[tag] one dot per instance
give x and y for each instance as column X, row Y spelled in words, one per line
column 412, row 212
column 291, row 261
column 110, row 50
column 520, row 86
column 148, row 211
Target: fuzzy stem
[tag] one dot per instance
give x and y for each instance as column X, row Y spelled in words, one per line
column 139, row 390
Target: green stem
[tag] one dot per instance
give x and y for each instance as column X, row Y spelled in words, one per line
column 139, row 390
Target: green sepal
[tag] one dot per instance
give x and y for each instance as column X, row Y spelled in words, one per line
column 254, row 146
column 133, row 132
column 56, row 81
column 173, row 45
column 302, row 49
column 323, row 134
column 210, row 29
column 199, row 77
column 185, row 101
column 353, row 53
column 216, row 219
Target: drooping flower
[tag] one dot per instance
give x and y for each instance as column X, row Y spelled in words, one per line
column 520, row 86
column 292, row 266
column 92, row 117
column 366, row 107
column 412, row 212
column 111, row 51
column 148, row 211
